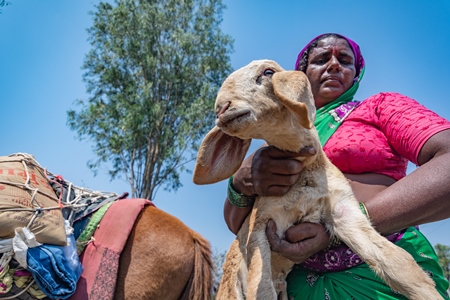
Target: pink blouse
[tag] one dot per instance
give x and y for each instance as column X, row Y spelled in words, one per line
column 379, row 136
column 382, row 134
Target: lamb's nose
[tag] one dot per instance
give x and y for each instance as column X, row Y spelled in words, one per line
column 223, row 109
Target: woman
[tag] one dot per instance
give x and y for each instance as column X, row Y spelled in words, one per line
column 371, row 142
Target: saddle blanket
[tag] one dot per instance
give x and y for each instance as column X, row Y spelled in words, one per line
column 100, row 258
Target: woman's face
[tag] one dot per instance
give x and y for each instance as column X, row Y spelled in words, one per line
column 331, row 69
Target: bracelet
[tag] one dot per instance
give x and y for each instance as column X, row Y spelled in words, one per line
column 334, row 242
column 364, row 210
column 237, row 199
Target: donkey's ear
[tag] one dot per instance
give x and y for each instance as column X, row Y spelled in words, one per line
column 219, row 157
column 292, row 88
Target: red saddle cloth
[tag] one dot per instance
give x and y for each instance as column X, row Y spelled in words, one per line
column 100, row 258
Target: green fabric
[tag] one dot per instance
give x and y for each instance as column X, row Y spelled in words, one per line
column 360, row 282
column 90, row 228
column 325, row 124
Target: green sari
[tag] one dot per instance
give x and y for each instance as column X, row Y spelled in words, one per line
column 360, row 282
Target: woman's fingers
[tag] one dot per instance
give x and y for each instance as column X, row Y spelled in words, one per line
column 270, row 171
column 277, row 153
column 274, row 171
column 304, row 231
column 301, row 241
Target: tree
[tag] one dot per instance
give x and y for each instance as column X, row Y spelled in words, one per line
column 218, row 259
column 152, row 75
column 443, row 253
column 3, row 3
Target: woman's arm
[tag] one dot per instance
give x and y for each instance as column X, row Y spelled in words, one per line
column 305, row 239
column 421, row 197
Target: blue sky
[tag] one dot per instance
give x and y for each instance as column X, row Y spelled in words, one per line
column 43, row 44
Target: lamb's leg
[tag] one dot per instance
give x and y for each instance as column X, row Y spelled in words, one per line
column 390, row 262
column 260, row 284
column 233, row 284
column 281, row 266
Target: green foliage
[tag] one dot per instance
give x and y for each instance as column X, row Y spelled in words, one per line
column 443, row 253
column 152, row 75
column 3, row 3
column 218, row 260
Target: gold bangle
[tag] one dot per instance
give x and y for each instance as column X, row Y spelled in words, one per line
column 334, row 242
column 363, row 208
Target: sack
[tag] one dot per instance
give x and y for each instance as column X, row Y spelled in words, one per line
column 48, row 226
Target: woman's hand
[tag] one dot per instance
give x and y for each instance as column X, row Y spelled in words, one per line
column 301, row 241
column 267, row 172
column 270, row 171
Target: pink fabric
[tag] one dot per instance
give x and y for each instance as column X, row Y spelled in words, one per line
column 379, row 136
column 100, row 258
column 382, row 134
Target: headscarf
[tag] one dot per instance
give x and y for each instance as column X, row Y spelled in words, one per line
column 331, row 115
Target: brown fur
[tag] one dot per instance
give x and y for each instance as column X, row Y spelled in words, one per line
column 164, row 259
column 280, row 109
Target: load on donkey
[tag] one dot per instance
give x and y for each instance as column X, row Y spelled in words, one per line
column 54, row 243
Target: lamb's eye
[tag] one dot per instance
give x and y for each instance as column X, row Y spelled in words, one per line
column 268, row 72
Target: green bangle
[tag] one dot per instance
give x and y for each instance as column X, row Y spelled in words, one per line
column 364, row 210
column 237, row 199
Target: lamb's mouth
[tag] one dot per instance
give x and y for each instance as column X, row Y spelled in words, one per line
column 233, row 117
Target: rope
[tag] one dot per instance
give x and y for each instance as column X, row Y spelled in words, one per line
column 20, row 293
column 28, row 186
column 6, row 258
column 74, row 205
column 22, row 185
column 27, row 158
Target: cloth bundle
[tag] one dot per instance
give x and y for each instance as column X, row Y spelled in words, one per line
column 56, row 269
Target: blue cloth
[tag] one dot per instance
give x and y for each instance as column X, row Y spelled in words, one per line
column 55, row 269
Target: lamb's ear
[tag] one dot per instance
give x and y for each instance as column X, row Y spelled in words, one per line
column 293, row 90
column 219, row 157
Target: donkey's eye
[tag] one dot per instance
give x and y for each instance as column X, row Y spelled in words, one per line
column 268, row 72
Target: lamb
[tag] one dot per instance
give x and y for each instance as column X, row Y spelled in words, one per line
column 263, row 101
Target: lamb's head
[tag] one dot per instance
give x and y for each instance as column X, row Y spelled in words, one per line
column 263, row 101
column 260, row 100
